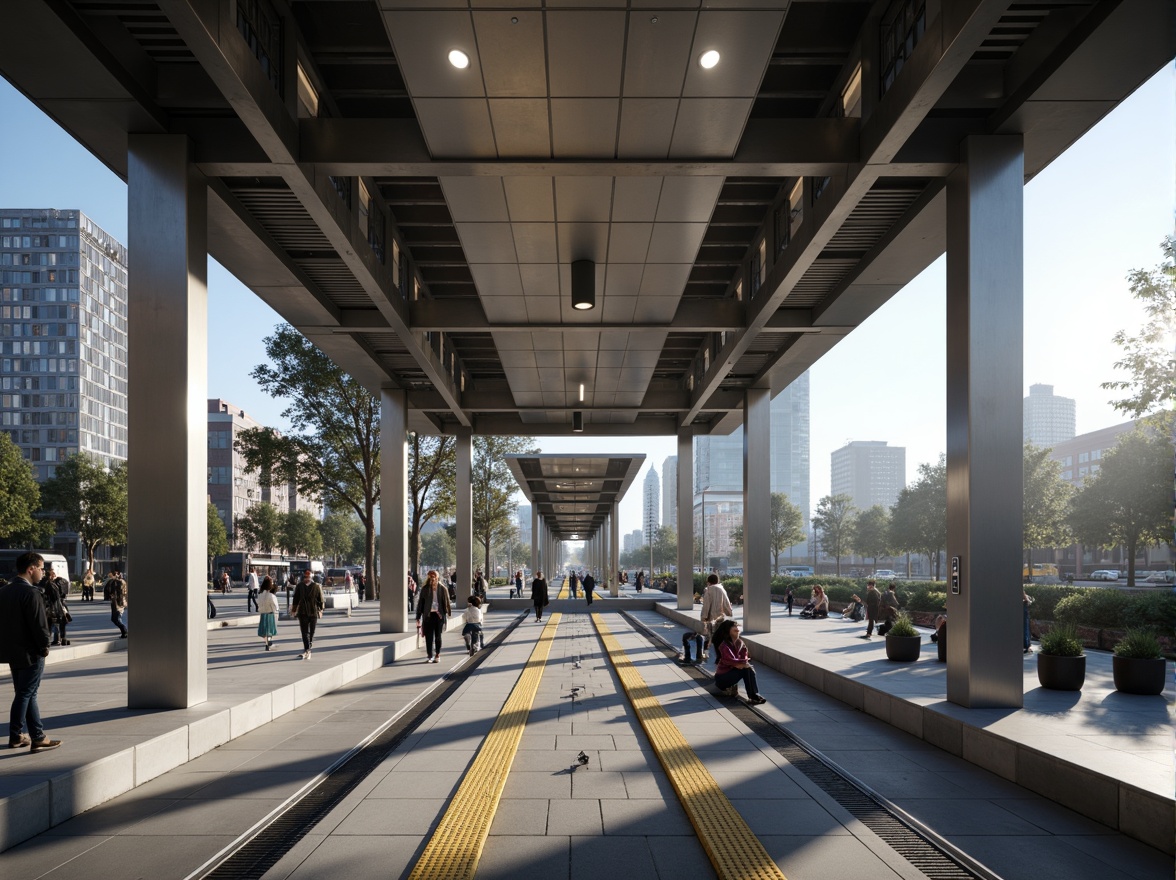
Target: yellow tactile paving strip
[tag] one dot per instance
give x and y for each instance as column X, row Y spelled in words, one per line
column 456, row 846
column 735, row 852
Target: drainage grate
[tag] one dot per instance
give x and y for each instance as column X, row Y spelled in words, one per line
column 921, row 847
column 262, row 851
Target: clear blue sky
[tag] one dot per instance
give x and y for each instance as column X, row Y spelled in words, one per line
column 1098, row 212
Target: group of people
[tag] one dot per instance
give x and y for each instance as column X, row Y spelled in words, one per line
column 722, row 632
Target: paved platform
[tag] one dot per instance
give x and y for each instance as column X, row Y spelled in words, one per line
column 551, row 822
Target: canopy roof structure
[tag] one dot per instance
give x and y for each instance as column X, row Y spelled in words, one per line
column 574, row 494
column 419, row 221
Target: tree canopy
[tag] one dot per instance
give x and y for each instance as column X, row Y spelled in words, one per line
column 493, row 487
column 785, row 528
column 918, row 520
column 871, row 533
column 218, row 539
column 299, row 534
column 834, row 520
column 340, row 531
column 260, row 527
column 20, row 495
column 1129, row 500
column 333, row 454
column 432, row 486
column 1149, row 357
column 91, row 499
column 1046, row 501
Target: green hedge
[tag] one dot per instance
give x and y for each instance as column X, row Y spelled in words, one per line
column 1112, row 609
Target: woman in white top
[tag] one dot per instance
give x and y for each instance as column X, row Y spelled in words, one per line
column 472, row 631
column 267, row 607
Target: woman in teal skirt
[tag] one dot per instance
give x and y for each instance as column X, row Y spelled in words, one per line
column 267, row 606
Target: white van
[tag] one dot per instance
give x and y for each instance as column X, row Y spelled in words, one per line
column 8, row 563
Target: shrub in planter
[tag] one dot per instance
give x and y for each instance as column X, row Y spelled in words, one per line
column 1061, row 663
column 1139, row 665
column 903, row 641
column 1095, row 607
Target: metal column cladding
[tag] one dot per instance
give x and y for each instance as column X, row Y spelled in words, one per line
column 984, row 390
column 394, row 559
column 757, row 508
column 685, row 490
column 167, row 433
column 465, row 514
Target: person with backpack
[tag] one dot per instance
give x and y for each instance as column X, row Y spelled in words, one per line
column 115, row 592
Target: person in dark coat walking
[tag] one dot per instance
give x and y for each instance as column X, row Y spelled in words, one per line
column 790, row 598
column 308, row 606
column 432, row 610
column 24, row 645
column 873, row 606
column 589, row 585
column 539, row 594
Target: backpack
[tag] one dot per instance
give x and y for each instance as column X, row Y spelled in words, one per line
column 106, row 591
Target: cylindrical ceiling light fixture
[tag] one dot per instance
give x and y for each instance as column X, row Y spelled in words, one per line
column 577, row 422
column 583, row 285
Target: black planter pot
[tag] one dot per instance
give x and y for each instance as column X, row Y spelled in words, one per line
column 1134, row 675
column 903, row 649
column 1061, row 673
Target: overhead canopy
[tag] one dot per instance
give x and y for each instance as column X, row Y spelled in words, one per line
column 419, row 222
column 574, row 493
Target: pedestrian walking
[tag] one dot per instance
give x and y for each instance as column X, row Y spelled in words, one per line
column 54, row 591
column 716, row 607
column 267, row 607
column 539, row 594
column 789, row 599
column 251, row 590
column 589, row 585
column 433, row 609
column 472, row 631
column 115, row 592
column 412, row 591
column 308, row 606
column 88, row 585
column 24, row 645
column 873, row 607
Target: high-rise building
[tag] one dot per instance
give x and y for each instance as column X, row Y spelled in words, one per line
column 651, row 501
column 670, row 492
column 870, row 472
column 524, row 516
column 1047, row 418
column 63, row 337
column 631, row 541
column 718, row 469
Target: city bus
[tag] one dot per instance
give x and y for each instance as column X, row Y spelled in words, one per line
column 238, row 562
column 1041, row 572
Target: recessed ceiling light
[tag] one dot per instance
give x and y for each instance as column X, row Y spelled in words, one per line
column 461, row 60
column 708, row 59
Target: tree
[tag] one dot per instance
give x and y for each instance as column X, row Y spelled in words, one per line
column 871, row 533
column 432, row 482
column 918, row 520
column 785, row 528
column 20, row 495
column 299, row 534
column 1129, row 500
column 218, row 540
column 493, row 487
column 260, row 527
column 665, row 548
column 92, row 500
column 834, row 520
column 438, row 549
column 339, row 530
column 1149, row 357
column 1046, row 503
column 636, row 558
column 334, row 454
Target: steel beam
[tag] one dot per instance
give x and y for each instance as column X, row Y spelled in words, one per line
column 757, row 509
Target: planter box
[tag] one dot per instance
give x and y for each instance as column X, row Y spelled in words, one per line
column 1137, row 676
column 1061, row 673
column 903, row 649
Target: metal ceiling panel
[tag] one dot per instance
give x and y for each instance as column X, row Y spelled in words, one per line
column 535, row 242
column 664, row 279
column 583, row 127
column 487, row 242
column 657, row 53
column 583, row 199
column 530, row 199
column 423, row 40
column 744, row 40
column 622, row 279
column 497, row 279
column 675, row 242
column 647, row 127
column 619, row 309
column 656, row 309
column 456, row 127
column 512, row 52
column 584, row 53
column 521, row 130
column 475, row 199
column 505, row 309
column 581, row 241
column 709, row 127
column 635, row 199
column 689, row 199
column 629, row 243
column 543, row 309
column 540, row 280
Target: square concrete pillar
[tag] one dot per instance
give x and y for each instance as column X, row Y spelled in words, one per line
column 393, row 510
column 167, row 426
column 685, row 489
column 757, row 510
column 984, row 413
column 465, row 515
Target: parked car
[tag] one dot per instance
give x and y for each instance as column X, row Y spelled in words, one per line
column 1161, row 577
column 798, row 571
column 884, row 574
column 1104, row 574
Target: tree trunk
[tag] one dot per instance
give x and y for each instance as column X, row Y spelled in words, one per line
column 369, row 548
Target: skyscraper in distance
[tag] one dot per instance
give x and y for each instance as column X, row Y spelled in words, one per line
column 868, row 471
column 1047, row 418
column 651, row 502
column 670, row 492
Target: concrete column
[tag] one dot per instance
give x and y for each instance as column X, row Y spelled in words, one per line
column 393, row 510
column 535, row 553
column 465, row 515
column 167, row 428
column 685, row 519
column 614, row 562
column 757, row 509
column 984, row 447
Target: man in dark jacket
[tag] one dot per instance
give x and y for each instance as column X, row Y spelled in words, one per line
column 55, row 591
column 308, row 606
column 24, row 645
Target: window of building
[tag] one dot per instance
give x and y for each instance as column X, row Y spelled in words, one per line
column 1068, row 461
column 1083, row 457
column 902, row 28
